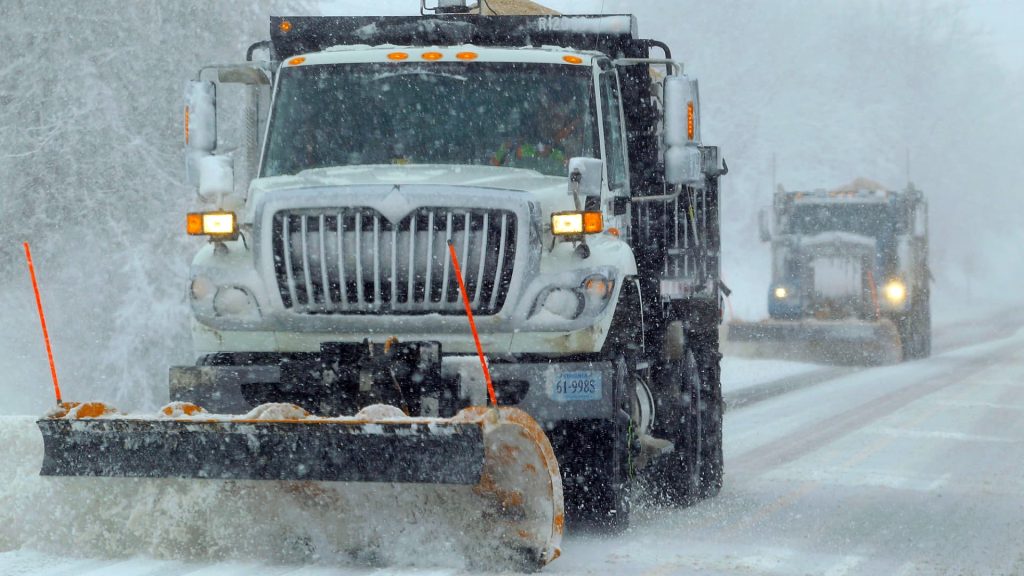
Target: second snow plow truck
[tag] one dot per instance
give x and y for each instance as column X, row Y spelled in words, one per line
column 850, row 278
column 544, row 173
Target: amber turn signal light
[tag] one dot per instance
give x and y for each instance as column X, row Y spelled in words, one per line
column 576, row 223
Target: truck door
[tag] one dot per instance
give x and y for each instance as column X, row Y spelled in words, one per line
column 615, row 206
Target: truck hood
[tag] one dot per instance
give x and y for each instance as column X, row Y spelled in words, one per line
column 550, row 191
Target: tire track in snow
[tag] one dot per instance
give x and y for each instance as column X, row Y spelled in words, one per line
column 818, row 435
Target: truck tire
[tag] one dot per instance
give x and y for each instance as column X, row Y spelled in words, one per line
column 712, row 408
column 676, row 477
column 595, row 457
column 924, row 330
column 905, row 328
column 916, row 332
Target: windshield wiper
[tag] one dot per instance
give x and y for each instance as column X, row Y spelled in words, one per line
column 386, row 75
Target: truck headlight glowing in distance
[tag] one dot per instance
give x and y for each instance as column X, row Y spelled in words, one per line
column 781, row 292
column 895, row 291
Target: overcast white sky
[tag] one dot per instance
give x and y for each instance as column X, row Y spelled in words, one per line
column 1002, row 23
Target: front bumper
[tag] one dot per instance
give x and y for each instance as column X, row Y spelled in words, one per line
column 550, row 392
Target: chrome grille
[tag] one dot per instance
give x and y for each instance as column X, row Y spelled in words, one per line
column 355, row 261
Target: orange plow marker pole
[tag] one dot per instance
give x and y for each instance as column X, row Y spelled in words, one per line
column 472, row 324
column 42, row 321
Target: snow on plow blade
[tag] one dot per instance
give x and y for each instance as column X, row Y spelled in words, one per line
column 843, row 342
column 501, row 456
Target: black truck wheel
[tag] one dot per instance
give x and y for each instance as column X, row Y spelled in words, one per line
column 676, row 477
column 905, row 327
column 915, row 330
column 595, row 457
column 712, row 409
column 924, row 330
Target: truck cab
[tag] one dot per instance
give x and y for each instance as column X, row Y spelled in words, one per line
column 372, row 164
column 858, row 252
column 550, row 159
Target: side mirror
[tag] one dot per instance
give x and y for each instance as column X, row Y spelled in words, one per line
column 216, row 178
column 682, row 166
column 586, row 176
column 682, row 131
column 200, row 125
column 921, row 221
column 764, row 225
column 249, row 74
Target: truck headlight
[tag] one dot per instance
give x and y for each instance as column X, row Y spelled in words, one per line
column 232, row 301
column 590, row 298
column 564, row 302
column 598, row 289
column 895, row 291
column 781, row 293
column 201, row 288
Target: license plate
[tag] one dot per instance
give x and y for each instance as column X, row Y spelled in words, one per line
column 577, row 385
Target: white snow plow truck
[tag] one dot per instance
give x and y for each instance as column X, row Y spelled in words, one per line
column 454, row 249
column 850, row 277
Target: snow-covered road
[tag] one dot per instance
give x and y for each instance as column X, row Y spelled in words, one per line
column 914, row 469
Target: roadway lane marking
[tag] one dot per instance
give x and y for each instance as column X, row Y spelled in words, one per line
column 940, row 435
column 907, row 569
column 939, row 483
column 874, row 478
column 984, row 405
column 843, row 424
column 844, row 566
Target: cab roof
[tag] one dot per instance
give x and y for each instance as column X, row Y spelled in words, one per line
column 428, row 54
column 614, row 35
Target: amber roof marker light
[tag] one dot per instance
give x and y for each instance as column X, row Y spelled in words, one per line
column 398, row 56
column 285, row 26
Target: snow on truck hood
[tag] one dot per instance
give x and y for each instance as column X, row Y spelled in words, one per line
column 551, row 191
column 838, row 239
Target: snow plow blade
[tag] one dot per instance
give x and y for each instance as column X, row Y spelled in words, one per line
column 500, row 456
column 840, row 342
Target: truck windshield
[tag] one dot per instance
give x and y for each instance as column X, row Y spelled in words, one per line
column 873, row 220
column 534, row 116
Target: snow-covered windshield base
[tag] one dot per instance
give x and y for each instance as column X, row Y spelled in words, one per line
column 534, row 116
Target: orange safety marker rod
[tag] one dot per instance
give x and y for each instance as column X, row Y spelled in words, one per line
column 874, row 293
column 472, row 324
column 42, row 321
